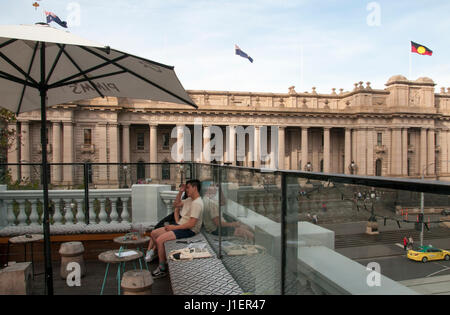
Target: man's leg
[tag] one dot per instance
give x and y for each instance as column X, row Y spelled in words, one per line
column 167, row 236
column 153, row 236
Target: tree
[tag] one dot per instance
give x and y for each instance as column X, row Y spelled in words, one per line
column 7, row 137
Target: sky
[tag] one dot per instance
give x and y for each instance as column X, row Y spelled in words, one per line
column 303, row 43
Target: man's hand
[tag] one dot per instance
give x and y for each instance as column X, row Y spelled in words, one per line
column 169, row 228
column 182, row 187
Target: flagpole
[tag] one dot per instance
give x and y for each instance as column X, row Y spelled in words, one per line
column 410, row 65
column 301, row 68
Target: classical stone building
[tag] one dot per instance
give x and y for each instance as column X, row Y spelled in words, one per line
column 399, row 131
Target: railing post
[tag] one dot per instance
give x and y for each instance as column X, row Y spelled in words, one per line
column 86, row 192
column 220, row 213
column 283, row 231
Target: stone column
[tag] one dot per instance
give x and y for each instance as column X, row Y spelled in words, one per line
column 405, row 151
column 326, row 150
column 113, row 129
column 13, row 152
column 423, row 151
column 232, row 145
column 281, row 148
column 102, row 153
column 348, row 150
column 305, row 158
column 354, row 140
column 431, row 150
column 25, row 156
column 56, row 154
column 443, row 136
column 370, row 155
column 257, row 148
column 180, row 143
column 68, row 153
column 126, row 143
column 396, row 168
column 293, row 139
column 206, row 156
column 154, row 151
column 361, row 156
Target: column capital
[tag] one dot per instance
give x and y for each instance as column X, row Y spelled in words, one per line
column 24, row 122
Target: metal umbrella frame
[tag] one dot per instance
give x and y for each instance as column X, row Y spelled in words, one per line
column 49, row 77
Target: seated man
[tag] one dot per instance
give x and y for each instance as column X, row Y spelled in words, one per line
column 189, row 222
column 211, row 217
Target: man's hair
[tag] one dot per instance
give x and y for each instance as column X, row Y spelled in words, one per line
column 195, row 183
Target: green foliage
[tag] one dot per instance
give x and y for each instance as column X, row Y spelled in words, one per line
column 6, row 136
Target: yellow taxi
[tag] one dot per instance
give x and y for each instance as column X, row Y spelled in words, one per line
column 426, row 253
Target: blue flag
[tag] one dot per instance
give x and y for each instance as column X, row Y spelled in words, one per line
column 52, row 17
column 242, row 54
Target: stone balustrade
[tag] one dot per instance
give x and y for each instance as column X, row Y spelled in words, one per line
column 23, row 209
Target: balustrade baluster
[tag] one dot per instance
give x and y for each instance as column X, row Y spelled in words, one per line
column 125, row 214
column 34, row 216
column 22, row 217
column 114, row 215
column 58, row 215
column 10, row 217
column 80, row 216
column 103, row 216
column 92, row 214
column 69, row 215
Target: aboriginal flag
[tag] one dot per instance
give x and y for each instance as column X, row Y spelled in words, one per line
column 239, row 52
column 420, row 49
column 52, row 17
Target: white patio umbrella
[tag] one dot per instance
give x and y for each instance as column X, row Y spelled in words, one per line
column 42, row 66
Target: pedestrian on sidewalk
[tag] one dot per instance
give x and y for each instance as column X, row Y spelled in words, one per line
column 411, row 242
column 405, row 243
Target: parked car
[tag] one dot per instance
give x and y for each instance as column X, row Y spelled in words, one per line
column 426, row 253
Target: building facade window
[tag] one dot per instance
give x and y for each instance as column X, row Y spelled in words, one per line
column 140, row 141
column 87, row 136
column 165, row 141
column 379, row 138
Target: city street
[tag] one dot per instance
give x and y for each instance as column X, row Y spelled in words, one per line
column 400, row 268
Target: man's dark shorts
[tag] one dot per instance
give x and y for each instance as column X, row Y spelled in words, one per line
column 183, row 233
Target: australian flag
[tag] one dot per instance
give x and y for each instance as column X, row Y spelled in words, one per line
column 52, row 17
column 242, row 54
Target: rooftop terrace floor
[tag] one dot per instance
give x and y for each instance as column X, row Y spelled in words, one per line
column 91, row 283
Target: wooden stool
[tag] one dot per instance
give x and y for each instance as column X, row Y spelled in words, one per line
column 71, row 252
column 137, row 282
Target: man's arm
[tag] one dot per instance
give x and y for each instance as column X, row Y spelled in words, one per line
column 178, row 203
column 176, row 214
column 187, row 226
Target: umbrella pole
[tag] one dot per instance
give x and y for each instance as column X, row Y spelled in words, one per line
column 46, row 219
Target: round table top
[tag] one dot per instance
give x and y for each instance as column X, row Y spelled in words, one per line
column 141, row 240
column 110, row 256
column 24, row 239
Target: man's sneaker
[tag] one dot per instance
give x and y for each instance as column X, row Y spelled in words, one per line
column 158, row 273
column 150, row 256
